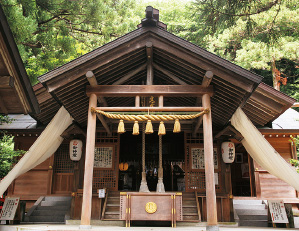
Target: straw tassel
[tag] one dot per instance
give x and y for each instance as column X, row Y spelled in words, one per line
column 136, row 128
column 161, row 129
column 177, row 126
column 121, row 127
column 149, row 127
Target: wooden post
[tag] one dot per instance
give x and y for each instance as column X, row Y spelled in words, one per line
column 209, row 166
column 89, row 160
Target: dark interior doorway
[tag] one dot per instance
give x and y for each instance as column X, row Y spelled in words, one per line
column 240, row 174
column 131, row 156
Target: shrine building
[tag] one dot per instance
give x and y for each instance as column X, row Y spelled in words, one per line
column 150, row 127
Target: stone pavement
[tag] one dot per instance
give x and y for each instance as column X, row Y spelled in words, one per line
column 45, row 227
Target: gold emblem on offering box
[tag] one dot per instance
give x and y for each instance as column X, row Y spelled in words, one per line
column 151, row 207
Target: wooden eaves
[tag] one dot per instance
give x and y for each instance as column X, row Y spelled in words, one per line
column 16, row 93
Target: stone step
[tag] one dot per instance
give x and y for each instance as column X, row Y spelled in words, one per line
column 55, row 203
column 48, row 213
column 46, row 219
column 245, row 212
column 253, row 223
column 250, row 207
column 52, row 198
column 58, row 208
column 248, row 202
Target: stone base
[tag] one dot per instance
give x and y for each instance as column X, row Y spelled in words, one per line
column 212, row 228
column 84, row 226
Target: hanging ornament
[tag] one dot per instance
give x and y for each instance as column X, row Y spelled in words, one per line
column 149, row 127
column 121, row 127
column 136, row 128
column 123, row 166
column 76, row 149
column 177, row 126
column 228, row 152
column 161, row 129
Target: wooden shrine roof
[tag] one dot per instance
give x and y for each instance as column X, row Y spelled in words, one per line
column 175, row 61
column 16, row 93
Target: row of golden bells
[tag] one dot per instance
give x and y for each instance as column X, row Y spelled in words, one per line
column 149, row 127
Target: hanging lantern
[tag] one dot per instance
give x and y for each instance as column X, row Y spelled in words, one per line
column 76, row 149
column 228, row 152
column 123, row 166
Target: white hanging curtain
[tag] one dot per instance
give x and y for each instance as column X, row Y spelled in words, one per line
column 44, row 147
column 262, row 152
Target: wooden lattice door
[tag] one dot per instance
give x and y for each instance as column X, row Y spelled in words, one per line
column 105, row 172
column 195, row 168
column 63, row 176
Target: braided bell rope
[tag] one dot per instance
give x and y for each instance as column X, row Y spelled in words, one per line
column 149, row 117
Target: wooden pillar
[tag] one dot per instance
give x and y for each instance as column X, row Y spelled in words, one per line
column 89, row 159
column 209, row 166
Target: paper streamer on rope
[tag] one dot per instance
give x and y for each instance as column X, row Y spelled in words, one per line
column 44, row 147
column 262, row 152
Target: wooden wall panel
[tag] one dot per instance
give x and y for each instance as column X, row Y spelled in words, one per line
column 63, row 183
column 272, row 187
column 31, row 183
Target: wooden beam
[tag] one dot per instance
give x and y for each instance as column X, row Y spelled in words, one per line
column 6, row 82
column 93, row 82
column 207, row 79
column 129, row 75
column 169, row 74
column 89, row 161
column 197, row 126
column 295, row 104
column 161, row 101
column 137, row 101
column 209, row 165
column 2, row 106
column 151, row 109
column 150, row 70
column 149, row 90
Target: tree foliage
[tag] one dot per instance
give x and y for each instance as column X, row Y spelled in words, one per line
column 7, row 153
column 257, row 35
column 50, row 33
column 294, row 162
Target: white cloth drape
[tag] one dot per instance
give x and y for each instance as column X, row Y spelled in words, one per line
column 262, row 152
column 45, row 146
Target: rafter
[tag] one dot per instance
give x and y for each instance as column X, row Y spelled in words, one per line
column 129, row 75
column 169, row 74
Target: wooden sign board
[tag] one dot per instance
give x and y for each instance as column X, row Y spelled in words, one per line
column 9, row 208
column 277, row 211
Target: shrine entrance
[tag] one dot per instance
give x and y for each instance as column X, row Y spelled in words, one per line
column 130, row 161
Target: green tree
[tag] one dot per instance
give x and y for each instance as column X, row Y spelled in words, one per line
column 50, row 33
column 8, row 155
column 295, row 141
column 261, row 36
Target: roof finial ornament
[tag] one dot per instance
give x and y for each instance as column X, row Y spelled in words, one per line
column 152, row 19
